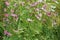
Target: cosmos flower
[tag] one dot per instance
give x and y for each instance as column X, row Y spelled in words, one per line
column 7, row 3
column 48, row 13
column 14, row 15
column 6, row 15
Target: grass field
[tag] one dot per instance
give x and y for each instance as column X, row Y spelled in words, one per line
column 29, row 19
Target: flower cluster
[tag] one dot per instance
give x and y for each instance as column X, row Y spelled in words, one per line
column 30, row 19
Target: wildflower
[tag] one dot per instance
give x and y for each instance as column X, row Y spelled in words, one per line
column 44, row 10
column 15, row 5
column 14, row 15
column 7, row 33
column 34, row 4
column 37, row 9
column 48, row 13
column 40, row 0
column 7, row 3
column 38, row 16
column 12, row 11
column 30, row 20
column 6, row 15
column 44, row 6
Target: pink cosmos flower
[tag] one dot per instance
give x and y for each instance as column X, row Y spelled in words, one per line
column 7, row 3
column 6, row 15
column 48, row 13
column 14, row 15
column 7, row 33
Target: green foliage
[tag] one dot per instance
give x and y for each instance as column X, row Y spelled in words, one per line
column 26, row 25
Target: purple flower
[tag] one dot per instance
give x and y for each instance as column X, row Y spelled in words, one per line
column 7, row 33
column 48, row 13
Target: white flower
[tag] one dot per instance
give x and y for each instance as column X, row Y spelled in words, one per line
column 44, row 9
column 30, row 20
column 38, row 16
column 40, row 0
